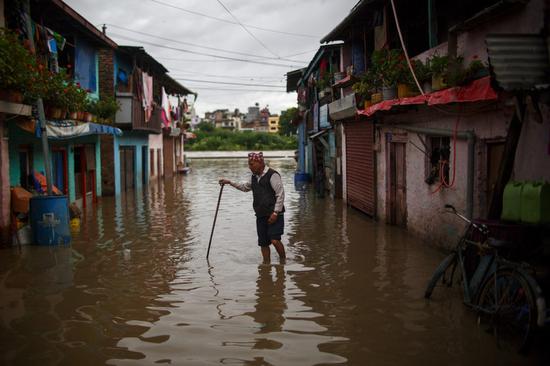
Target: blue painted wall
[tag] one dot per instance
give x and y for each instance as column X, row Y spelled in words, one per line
column 137, row 140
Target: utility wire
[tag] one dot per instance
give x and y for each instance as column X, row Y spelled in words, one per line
column 238, row 90
column 231, row 22
column 228, row 83
column 196, row 45
column 243, row 77
column 246, row 29
column 203, row 54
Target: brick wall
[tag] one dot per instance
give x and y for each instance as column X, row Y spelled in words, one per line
column 106, row 72
column 107, row 165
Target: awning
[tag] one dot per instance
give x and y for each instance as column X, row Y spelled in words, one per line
column 477, row 91
column 62, row 130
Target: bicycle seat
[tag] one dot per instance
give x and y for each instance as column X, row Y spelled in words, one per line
column 500, row 244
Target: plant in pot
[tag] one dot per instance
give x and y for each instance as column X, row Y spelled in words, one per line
column 438, row 66
column 363, row 89
column 17, row 69
column 476, row 69
column 56, row 94
column 389, row 65
column 76, row 100
column 423, row 74
column 105, row 109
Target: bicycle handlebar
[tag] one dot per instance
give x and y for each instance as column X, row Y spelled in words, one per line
column 480, row 227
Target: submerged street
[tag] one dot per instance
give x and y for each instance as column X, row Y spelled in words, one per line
column 134, row 287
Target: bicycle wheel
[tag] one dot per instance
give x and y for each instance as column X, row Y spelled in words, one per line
column 447, row 265
column 508, row 309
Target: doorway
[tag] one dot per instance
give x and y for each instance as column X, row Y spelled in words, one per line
column 396, row 212
column 127, row 161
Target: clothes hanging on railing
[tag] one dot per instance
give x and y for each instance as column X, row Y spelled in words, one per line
column 147, row 83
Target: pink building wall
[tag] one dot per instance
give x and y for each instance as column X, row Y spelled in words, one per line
column 4, row 184
column 425, row 213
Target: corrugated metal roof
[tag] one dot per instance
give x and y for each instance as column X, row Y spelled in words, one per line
column 519, row 61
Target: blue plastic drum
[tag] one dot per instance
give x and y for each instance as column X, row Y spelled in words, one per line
column 49, row 217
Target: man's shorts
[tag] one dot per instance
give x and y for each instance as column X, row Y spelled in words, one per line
column 267, row 232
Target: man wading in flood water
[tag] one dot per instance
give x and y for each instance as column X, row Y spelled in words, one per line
column 269, row 196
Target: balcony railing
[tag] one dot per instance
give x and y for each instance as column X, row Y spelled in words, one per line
column 131, row 115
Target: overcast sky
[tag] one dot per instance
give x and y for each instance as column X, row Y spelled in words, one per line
column 190, row 25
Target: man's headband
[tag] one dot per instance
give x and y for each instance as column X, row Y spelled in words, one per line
column 256, row 156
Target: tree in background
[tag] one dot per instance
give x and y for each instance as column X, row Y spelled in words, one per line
column 205, row 127
column 285, row 122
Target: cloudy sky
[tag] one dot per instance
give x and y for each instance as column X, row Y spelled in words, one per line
column 187, row 35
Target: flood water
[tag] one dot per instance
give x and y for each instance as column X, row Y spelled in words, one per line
column 134, row 288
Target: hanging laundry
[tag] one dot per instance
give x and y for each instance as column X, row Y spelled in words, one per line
column 185, row 106
column 147, row 82
column 165, row 109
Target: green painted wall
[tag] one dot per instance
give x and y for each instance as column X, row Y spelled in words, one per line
column 18, row 137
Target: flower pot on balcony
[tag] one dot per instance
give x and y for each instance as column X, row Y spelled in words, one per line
column 438, row 83
column 389, row 92
column 87, row 117
column 376, row 98
column 53, row 113
column 403, row 91
column 367, row 104
column 73, row 115
column 12, row 96
column 427, row 87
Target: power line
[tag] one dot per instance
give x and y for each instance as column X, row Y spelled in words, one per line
column 231, row 22
column 201, row 53
column 196, row 45
column 193, row 72
column 240, row 90
column 246, row 29
column 228, row 83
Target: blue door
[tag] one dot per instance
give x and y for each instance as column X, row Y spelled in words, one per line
column 58, row 169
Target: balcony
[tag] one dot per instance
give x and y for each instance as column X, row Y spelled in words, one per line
column 131, row 115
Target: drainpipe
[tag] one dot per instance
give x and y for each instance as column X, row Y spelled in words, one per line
column 464, row 135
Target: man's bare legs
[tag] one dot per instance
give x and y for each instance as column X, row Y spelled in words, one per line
column 280, row 249
column 266, row 254
column 266, row 251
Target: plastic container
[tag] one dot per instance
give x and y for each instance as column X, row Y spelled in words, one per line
column 511, row 202
column 535, row 203
column 20, row 200
column 49, row 217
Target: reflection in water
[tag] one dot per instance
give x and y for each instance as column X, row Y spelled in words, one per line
column 135, row 287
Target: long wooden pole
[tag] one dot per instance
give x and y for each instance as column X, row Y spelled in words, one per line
column 214, row 224
column 39, row 105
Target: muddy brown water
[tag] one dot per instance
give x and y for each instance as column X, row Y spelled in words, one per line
column 134, row 287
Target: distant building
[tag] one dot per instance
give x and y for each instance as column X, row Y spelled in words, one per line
column 273, row 123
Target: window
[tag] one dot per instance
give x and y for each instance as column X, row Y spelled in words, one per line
column 439, row 151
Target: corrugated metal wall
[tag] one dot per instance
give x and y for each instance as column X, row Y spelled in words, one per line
column 360, row 166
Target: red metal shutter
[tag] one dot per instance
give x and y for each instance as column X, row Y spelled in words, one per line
column 360, row 167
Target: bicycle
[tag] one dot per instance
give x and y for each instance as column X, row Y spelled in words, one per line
column 504, row 294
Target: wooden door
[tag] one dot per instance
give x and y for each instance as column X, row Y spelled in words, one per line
column 127, row 174
column 396, row 213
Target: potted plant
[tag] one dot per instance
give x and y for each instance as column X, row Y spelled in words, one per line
column 438, row 66
column 389, row 65
column 476, row 69
column 423, row 74
column 17, row 69
column 105, row 109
